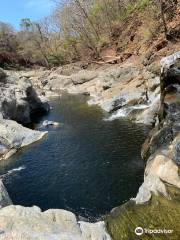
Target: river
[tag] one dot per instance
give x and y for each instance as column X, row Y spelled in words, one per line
column 86, row 165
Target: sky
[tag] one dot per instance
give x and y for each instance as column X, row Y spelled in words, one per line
column 12, row 11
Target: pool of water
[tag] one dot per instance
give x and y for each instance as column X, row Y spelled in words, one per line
column 86, row 165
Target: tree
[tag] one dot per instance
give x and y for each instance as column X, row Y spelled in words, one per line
column 167, row 10
column 8, row 44
column 162, row 8
column 25, row 24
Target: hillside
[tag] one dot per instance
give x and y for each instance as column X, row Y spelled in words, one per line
column 93, row 32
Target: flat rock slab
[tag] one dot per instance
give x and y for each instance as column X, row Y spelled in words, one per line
column 14, row 136
column 18, row 222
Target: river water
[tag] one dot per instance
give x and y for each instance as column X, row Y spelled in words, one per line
column 86, row 165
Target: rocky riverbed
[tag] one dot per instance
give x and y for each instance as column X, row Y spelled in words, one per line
column 129, row 88
column 150, row 99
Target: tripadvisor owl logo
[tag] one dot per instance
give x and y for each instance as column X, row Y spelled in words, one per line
column 139, row 231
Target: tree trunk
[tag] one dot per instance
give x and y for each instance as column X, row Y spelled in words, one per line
column 163, row 18
column 87, row 17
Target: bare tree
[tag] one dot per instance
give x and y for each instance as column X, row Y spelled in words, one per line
column 162, row 9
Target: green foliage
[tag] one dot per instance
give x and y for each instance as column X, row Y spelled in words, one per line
column 95, row 9
column 69, row 41
column 126, row 12
column 142, row 4
column 25, row 24
column 131, row 7
column 57, row 59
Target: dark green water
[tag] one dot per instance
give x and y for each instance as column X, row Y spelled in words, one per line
column 87, row 165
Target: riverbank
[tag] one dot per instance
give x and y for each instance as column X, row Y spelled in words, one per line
column 18, row 101
column 157, row 204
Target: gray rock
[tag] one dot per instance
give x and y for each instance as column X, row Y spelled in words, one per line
column 83, row 76
column 162, row 147
column 2, row 76
column 167, row 62
column 18, row 100
column 110, row 88
column 152, row 184
column 176, row 150
column 18, row 222
column 149, row 115
column 4, row 196
column 160, row 169
column 14, row 136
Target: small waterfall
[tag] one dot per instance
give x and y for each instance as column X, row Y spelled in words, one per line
column 124, row 112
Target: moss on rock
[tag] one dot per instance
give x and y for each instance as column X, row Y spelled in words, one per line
column 159, row 213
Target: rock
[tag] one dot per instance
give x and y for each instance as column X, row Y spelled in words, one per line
column 14, row 136
column 163, row 144
column 4, row 196
column 18, row 222
column 83, row 76
column 168, row 62
column 18, row 100
column 164, row 168
column 149, row 115
column 58, row 83
column 66, row 220
column 124, row 99
column 93, row 231
column 152, row 184
column 157, row 138
column 158, row 199
column 160, row 169
column 153, row 83
column 2, row 76
column 47, row 123
column 176, row 150
column 112, row 88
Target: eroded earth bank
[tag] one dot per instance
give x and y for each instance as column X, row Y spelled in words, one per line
column 130, row 90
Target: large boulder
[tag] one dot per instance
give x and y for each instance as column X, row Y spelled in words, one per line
column 19, row 100
column 159, row 169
